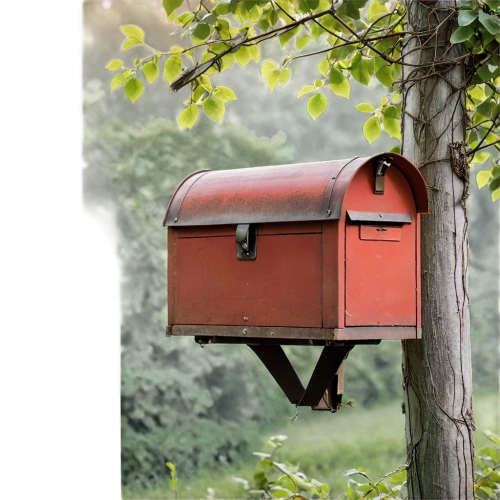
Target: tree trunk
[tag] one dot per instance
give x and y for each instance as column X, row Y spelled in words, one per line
column 437, row 369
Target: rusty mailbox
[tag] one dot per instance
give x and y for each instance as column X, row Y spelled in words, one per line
column 324, row 253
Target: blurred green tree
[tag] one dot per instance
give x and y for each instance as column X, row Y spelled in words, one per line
column 199, row 407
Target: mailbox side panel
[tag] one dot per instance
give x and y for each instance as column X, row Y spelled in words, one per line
column 281, row 287
column 419, row 274
column 171, row 255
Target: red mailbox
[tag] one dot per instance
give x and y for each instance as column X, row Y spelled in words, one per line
column 324, row 253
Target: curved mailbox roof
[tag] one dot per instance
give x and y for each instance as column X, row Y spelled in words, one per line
column 283, row 193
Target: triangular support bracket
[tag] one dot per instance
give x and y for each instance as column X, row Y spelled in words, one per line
column 325, row 388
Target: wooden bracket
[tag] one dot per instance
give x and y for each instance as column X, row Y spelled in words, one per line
column 326, row 386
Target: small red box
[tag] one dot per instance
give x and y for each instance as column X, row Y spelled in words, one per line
column 306, row 253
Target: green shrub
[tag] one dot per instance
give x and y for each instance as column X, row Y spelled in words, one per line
column 273, row 478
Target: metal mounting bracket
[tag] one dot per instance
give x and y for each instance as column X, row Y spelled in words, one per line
column 246, row 242
column 382, row 165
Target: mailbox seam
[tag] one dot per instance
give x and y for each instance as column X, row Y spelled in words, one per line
column 202, row 174
column 176, row 191
column 331, row 186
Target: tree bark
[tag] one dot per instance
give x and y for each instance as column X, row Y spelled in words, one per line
column 437, row 370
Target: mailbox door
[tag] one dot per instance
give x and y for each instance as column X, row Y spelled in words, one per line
column 380, row 275
column 282, row 286
column 381, row 258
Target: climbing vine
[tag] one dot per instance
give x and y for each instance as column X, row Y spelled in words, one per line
column 362, row 40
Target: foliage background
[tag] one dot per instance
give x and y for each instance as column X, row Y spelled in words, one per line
column 206, row 410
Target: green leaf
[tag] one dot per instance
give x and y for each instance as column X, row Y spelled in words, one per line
column 171, row 5
column 466, row 17
column 266, row 68
column 287, row 483
column 395, row 149
column 491, row 23
column 254, row 52
column 272, row 79
column 284, row 76
column 302, row 41
column 308, row 5
column 214, row 108
column 150, row 70
column 482, row 178
column 261, row 480
column 243, row 56
column 280, row 492
column 316, row 105
column 489, row 453
column 484, row 73
column 323, row 66
column 287, row 36
column 339, row 84
column 116, row 82
column 487, row 490
column 210, row 19
column 185, row 18
column 171, row 466
column 462, row 34
column 133, row 31
column 392, row 127
column 201, row 31
column 390, row 111
column 119, row 80
column 371, row 129
column 224, row 94
column 306, row 89
column 130, row 42
column 492, row 4
column 265, row 463
column 189, row 116
column 480, row 158
column 360, row 69
column 351, row 8
column 385, row 76
column 492, row 437
column 376, row 10
column 365, row 107
column 173, row 68
column 114, row 65
column 134, row 89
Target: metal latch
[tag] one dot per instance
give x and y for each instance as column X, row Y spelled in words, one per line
column 246, row 241
column 380, row 170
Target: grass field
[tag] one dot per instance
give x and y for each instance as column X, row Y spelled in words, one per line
column 324, row 446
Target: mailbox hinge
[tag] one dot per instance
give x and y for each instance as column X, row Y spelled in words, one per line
column 246, row 241
column 382, row 165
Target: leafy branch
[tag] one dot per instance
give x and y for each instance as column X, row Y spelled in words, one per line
column 362, row 40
